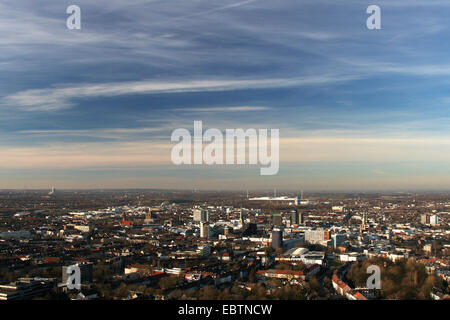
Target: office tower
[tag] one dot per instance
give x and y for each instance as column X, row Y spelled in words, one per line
column 86, row 272
column 204, row 229
column 429, row 219
column 434, row 220
column 294, row 217
column 201, row 215
column 337, row 240
column 301, row 218
column 277, row 219
column 277, row 238
column 197, row 215
column 425, row 219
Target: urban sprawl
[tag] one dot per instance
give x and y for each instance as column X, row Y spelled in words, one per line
column 192, row 245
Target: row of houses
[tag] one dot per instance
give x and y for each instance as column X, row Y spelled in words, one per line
column 289, row 274
column 343, row 289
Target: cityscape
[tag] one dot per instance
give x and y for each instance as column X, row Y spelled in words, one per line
column 216, row 158
column 200, row 245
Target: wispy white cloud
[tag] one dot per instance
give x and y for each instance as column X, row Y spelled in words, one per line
column 226, row 109
column 60, row 98
column 123, row 134
column 220, row 8
column 379, row 66
column 414, row 3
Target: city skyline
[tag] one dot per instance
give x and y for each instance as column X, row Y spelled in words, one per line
column 156, row 245
column 357, row 109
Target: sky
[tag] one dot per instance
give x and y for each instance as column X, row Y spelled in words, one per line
column 357, row 109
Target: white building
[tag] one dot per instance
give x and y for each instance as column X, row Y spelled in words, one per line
column 316, row 236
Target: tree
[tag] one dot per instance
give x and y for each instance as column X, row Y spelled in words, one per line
column 102, row 273
column 209, row 293
column 122, row 291
column 252, row 276
column 314, row 283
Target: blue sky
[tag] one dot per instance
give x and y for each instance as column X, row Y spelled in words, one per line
column 94, row 108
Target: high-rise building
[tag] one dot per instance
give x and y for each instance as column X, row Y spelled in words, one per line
column 434, row 220
column 204, row 229
column 294, row 217
column 86, row 272
column 201, row 215
column 337, row 240
column 301, row 218
column 277, row 219
column 277, row 238
column 430, row 219
column 425, row 219
column 197, row 215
